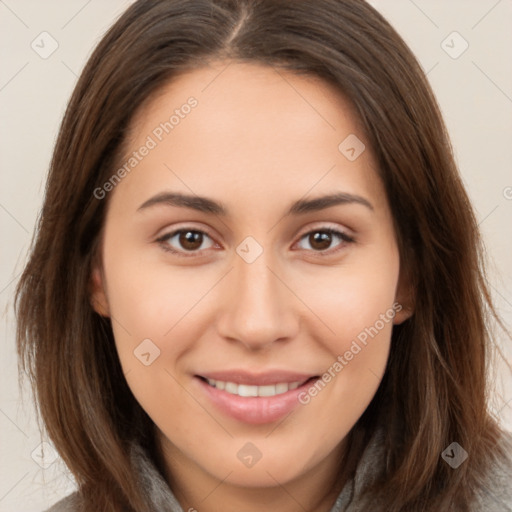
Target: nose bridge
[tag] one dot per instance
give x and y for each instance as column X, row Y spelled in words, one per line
column 259, row 310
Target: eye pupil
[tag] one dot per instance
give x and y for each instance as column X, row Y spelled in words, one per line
column 191, row 240
column 320, row 240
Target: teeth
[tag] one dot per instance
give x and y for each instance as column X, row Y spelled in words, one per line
column 281, row 388
column 231, row 387
column 248, row 391
column 266, row 390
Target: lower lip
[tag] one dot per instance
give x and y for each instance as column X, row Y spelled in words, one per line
column 255, row 410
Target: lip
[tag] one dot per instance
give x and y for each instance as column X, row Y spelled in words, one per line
column 255, row 410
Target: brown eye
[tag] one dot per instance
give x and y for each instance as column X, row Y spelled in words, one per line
column 190, row 240
column 322, row 239
column 185, row 240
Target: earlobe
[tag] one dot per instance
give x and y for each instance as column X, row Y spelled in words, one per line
column 97, row 295
column 402, row 313
column 404, row 299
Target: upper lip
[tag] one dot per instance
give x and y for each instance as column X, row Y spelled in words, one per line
column 240, row 376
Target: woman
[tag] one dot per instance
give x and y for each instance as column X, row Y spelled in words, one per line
column 257, row 279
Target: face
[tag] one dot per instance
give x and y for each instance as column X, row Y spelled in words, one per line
column 252, row 318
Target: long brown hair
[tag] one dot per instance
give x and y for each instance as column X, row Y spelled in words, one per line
column 434, row 391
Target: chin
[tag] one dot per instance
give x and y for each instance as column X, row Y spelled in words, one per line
column 263, row 477
column 264, row 473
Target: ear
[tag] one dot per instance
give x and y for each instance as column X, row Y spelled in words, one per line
column 97, row 293
column 404, row 298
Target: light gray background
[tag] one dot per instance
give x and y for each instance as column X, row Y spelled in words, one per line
column 474, row 91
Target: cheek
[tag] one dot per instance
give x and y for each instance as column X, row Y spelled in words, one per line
column 150, row 306
column 357, row 305
column 354, row 298
column 151, row 320
column 152, row 301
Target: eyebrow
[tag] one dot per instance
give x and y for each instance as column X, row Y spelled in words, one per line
column 207, row 205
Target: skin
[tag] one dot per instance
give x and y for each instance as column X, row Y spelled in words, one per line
column 257, row 141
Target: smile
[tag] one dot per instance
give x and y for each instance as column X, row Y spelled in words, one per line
column 254, row 399
column 253, row 391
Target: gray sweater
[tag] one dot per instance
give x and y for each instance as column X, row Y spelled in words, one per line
column 495, row 496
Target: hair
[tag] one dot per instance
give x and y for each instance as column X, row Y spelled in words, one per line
column 435, row 388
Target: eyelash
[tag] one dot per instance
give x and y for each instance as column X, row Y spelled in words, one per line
column 345, row 238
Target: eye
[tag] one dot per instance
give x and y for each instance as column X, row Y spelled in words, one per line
column 320, row 240
column 189, row 240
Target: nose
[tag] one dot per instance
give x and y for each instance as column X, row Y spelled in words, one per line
column 260, row 307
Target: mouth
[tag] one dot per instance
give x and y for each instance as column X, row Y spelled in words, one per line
column 254, row 399
column 248, row 390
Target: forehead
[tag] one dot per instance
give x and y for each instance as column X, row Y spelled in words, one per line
column 235, row 94
column 252, row 126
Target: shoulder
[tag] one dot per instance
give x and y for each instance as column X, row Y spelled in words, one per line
column 495, row 493
column 71, row 503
